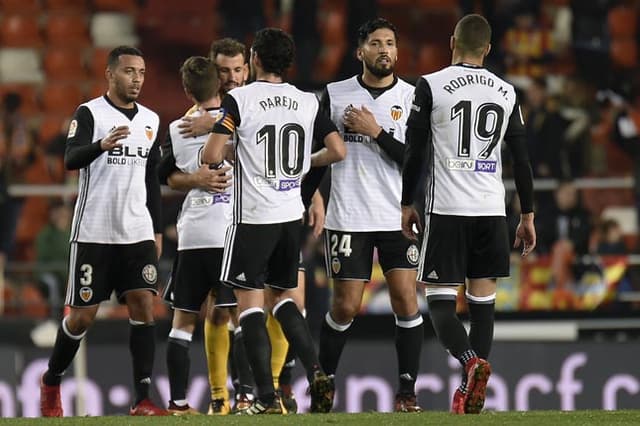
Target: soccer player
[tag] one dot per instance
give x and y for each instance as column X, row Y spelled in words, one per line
column 229, row 57
column 112, row 141
column 201, row 226
column 459, row 119
column 371, row 110
column 274, row 124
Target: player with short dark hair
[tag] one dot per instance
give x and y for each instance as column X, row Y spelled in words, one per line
column 116, row 236
column 274, row 124
column 371, row 111
column 201, row 225
column 459, row 119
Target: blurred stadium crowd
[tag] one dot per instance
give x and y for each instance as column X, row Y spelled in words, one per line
column 575, row 63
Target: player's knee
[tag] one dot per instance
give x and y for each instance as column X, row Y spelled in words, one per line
column 344, row 312
column 220, row 316
column 79, row 321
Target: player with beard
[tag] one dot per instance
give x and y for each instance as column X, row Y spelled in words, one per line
column 228, row 55
column 232, row 71
column 262, row 248
column 116, row 237
column 371, row 111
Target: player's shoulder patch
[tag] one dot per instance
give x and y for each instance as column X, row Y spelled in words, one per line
column 73, row 127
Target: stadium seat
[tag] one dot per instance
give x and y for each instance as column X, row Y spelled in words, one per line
column 333, row 27
column 32, row 302
column 329, row 62
column 111, row 29
column 20, row 65
column 405, row 66
column 61, row 97
column 98, row 87
column 126, row 6
column 432, row 57
column 67, row 29
column 20, row 6
column 622, row 22
column 98, row 62
column 79, row 6
column 20, row 30
column 64, row 64
column 624, row 52
column 28, row 93
column 50, row 126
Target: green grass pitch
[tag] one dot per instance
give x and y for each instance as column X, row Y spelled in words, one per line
column 537, row 418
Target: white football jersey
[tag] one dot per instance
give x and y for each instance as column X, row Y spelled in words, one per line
column 366, row 187
column 205, row 215
column 470, row 113
column 111, row 207
column 273, row 151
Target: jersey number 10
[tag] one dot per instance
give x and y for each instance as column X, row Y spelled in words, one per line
column 278, row 152
column 487, row 126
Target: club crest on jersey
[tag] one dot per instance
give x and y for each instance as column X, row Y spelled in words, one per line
column 150, row 274
column 335, row 265
column 148, row 131
column 413, row 254
column 86, row 294
column 396, row 112
column 73, row 126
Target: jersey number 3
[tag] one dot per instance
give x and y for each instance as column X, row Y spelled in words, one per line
column 487, row 126
column 284, row 149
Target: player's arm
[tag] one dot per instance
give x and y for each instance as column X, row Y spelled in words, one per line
column 334, row 149
column 196, row 125
column 214, row 149
column 515, row 138
column 362, row 121
column 418, row 152
column 154, row 200
column 80, row 150
column 215, row 180
column 313, row 179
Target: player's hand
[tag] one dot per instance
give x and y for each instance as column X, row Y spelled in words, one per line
column 212, row 180
column 112, row 139
column 316, row 216
column 410, row 219
column 361, row 120
column 525, row 234
column 158, row 245
column 192, row 126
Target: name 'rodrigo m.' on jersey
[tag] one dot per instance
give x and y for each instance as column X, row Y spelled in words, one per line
column 470, row 113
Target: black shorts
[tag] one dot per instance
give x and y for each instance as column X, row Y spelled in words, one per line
column 459, row 247
column 195, row 273
column 95, row 270
column 349, row 255
column 256, row 256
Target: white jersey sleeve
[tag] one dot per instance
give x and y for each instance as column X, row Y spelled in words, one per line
column 367, row 185
column 469, row 115
column 204, row 216
column 111, row 207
